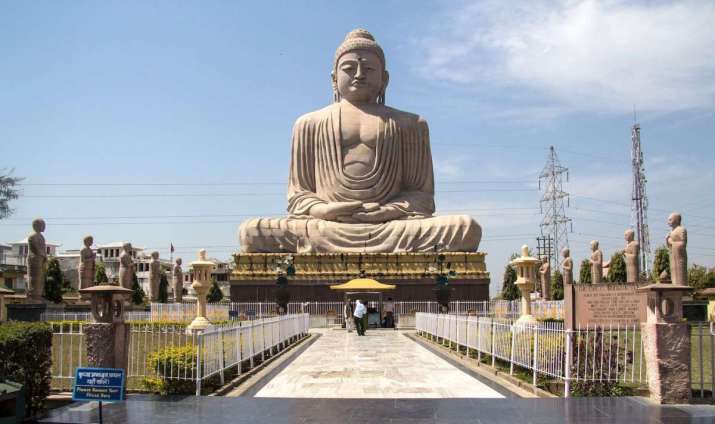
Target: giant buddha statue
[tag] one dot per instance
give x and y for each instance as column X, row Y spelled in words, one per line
column 361, row 176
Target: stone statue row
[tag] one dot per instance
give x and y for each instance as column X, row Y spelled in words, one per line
column 676, row 241
column 37, row 266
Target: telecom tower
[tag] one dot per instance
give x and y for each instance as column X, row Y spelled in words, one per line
column 639, row 200
column 554, row 201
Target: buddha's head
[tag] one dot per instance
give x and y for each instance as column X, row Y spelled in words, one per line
column 566, row 252
column 155, row 256
column 178, row 261
column 88, row 241
column 127, row 247
column 594, row 245
column 629, row 235
column 38, row 225
column 359, row 74
column 674, row 219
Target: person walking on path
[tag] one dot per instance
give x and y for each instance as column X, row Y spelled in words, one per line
column 360, row 311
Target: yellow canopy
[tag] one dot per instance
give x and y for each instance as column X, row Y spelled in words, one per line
column 363, row 284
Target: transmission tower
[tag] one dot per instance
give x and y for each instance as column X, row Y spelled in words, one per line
column 639, row 200
column 554, row 201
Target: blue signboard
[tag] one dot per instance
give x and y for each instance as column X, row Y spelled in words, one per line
column 99, row 384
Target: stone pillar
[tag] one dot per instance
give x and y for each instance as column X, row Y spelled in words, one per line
column 666, row 340
column 3, row 292
column 107, row 336
column 202, row 283
column 526, row 276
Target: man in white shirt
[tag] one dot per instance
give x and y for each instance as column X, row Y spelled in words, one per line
column 360, row 311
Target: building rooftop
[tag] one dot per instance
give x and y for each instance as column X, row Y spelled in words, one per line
column 24, row 241
column 117, row 244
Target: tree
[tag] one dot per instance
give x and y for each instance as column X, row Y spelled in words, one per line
column 215, row 293
column 661, row 262
column 163, row 289
column 617, row 268
column 584, row 273
column 509, row 290
column 137, row 291
column 557, row 285
column 8, row 192
column 53, row 281
column 700, row 277
column 100, row 273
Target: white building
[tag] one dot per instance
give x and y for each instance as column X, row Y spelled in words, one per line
column 14, row 263
column 109, row 255
column 221, row 274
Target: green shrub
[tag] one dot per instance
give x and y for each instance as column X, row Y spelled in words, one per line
column 584, row 272
column 26, row 352
column 172, row 361
column 617, row 268
column 179, row 361
column 215, row 294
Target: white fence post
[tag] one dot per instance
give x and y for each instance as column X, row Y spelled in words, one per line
column 198, row 364
column 569, row 361
column 536, row 355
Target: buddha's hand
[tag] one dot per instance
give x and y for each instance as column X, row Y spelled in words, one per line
column 331, row 211
column 379, row 215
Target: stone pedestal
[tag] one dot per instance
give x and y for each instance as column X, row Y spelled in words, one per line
column 25, row 311
column 666, row 341
column 107, row 344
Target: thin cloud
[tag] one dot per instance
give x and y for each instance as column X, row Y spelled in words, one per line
column 572, row 56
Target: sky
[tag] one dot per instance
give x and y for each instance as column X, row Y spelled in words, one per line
column 169, row 122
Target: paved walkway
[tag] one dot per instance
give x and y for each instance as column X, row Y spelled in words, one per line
column 384, row 364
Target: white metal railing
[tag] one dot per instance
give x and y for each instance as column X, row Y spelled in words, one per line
column 205, row 355
column 603, row 354
column 702, row 364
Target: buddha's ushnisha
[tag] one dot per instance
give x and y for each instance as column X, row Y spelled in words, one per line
column 361, row 176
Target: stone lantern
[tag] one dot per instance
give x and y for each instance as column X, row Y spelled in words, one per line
column 202, row 268
column 526, row 277
column 107, row 336
column 667, row 342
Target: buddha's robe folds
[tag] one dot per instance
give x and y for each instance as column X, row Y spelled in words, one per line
column 401, row 176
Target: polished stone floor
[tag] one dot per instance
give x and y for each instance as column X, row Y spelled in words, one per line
column 222, row 410
column 384, row 364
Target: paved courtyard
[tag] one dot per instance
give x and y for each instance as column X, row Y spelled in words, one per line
column 383, row 364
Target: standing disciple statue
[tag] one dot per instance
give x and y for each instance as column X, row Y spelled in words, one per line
column 567, row 266
column 86, row 264
column 361, row 176
column 596, row 263
column 126, row 267
column 545, row 274
column 632, row 256
column 36, row 261
column 154, row 277
column 178, row 281
column 677, row 241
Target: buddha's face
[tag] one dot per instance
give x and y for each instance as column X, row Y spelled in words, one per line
column 360, row 76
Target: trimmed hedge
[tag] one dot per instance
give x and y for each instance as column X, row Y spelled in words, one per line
column 26, row 352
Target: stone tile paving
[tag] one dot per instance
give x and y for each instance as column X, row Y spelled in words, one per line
column 384, row 364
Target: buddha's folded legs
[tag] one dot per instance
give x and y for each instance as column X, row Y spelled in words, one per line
column 452, row 233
